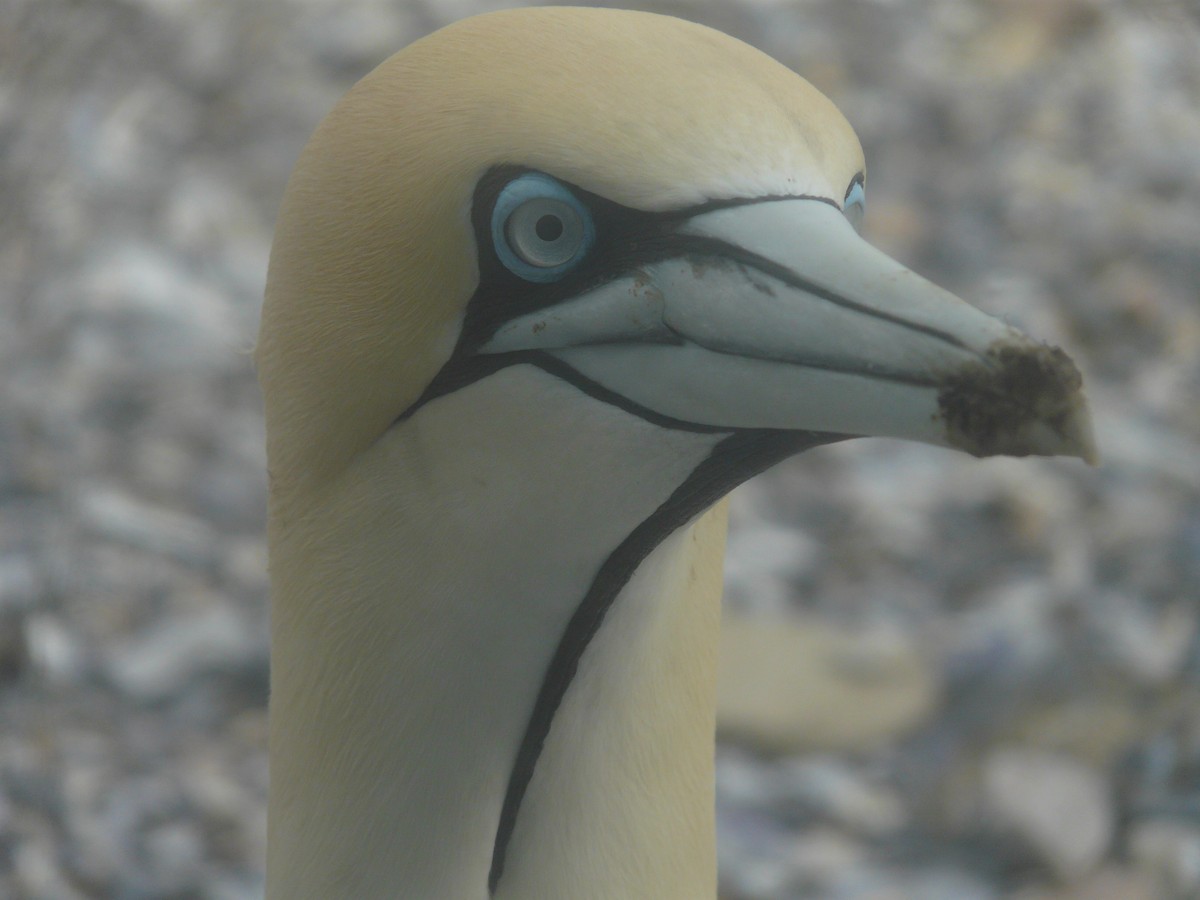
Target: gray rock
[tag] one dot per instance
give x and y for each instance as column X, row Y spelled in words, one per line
column 157, row 664
column 835, row 789
column 117, row 516
column 54, row 651
column 1039, row 158
column 1171, row 851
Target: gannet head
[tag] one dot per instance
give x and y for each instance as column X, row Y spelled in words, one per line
column 545, row 285
column 653, row 209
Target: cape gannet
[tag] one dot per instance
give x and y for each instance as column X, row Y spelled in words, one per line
column 545, row 286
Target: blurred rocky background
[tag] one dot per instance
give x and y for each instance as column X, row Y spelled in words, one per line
column 945, row 679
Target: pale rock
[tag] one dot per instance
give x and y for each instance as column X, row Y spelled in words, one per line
column 824, row 855
column 799, row 684
column 1009, row 628
column 19, row 584
column 947, row 884
column 837, row 789
column 37, row 872
column 1109, row 883
column 161, row 661
column 175, row 851
column 1095, row 731
column 235, row 887
column 118, row 516
column 1058, row 806
column 53, row 649
column 1153, row 647
column 1171, row 851
column 762, row 561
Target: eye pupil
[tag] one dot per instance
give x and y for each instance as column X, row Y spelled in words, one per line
column 549, row 228
column 545, row 232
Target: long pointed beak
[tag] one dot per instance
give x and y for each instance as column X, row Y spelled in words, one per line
column 780, row 316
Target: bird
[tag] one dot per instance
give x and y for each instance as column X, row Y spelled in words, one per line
column 545, row 286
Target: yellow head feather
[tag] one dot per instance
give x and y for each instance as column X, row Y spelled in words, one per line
column 374, row 258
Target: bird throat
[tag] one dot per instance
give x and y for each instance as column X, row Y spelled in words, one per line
column 733, row 460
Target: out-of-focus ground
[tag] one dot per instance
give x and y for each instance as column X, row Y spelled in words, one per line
column 999, row 659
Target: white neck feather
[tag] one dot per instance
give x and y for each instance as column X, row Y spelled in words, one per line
column 417, row 603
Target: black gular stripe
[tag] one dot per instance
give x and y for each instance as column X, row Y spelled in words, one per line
column 626, row 240
column 732, row 461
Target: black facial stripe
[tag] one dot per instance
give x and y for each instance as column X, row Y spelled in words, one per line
column 477, row 368
column 731, row 462
column 859, row 178
column 557, row 367
column 626, row 239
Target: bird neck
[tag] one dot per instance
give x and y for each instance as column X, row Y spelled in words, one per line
column 418, row 601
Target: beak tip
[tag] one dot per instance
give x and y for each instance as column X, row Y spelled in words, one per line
column 1022, row 399
column 1081, row 435
column 1069, row 434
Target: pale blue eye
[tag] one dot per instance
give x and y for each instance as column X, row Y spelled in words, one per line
column 855, row 204
column 540, row 229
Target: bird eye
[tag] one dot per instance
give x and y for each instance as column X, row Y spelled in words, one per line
column 855, row 204
column 540, row 229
